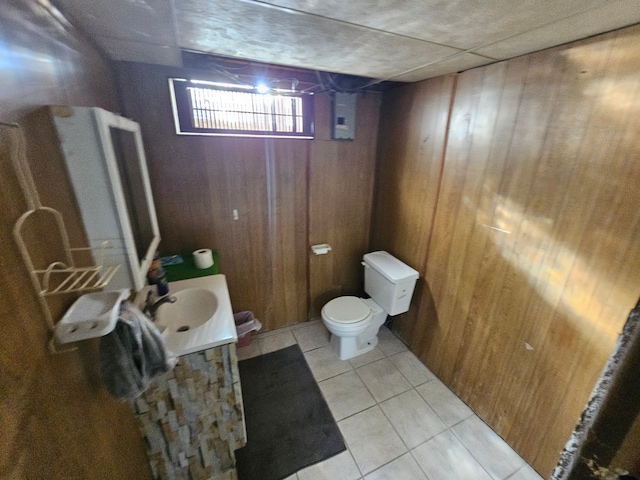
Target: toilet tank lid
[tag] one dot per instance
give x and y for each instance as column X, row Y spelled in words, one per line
column 389, row 266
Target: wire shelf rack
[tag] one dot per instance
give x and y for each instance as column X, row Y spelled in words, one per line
column 60, row 277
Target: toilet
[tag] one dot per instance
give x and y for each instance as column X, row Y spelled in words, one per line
column 354, row 322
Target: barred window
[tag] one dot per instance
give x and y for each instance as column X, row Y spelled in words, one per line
column 204, row 108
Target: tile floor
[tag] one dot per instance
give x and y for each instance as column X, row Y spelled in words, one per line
column 398, row 420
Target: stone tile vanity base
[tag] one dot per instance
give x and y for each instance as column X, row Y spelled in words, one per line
column 192, row 418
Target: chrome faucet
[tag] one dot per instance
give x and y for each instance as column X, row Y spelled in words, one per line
column 151, row 305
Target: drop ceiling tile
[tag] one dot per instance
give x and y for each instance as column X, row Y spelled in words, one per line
column 149, row 21
column 456, row 63
column 611, row 16
column 406, row 39
column 258, row 32
column 130, row 51
column 460, row 23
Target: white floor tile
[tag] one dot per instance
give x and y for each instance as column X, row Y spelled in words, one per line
column 278, row 331
column 445, row 458
column 383, row 379
column 365, row 358
column 346, row 395
column 403, row 468
column 526, row 473
column 412, row 368
column 308, row 323
column 493, row 453
column 341, row 466
column 446, row 404
column 414, row 409
column 371, row 439
column 250, row 351
column 312, row 336
column 277, row 341
column 389, row 343
column 325, row 364
column 412, row 418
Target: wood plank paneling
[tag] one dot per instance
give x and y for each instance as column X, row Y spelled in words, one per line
column 198, row 182
column 533, row 262
column 289, row 194
column 57, row 421
column 411, row 151
column 341, row 182
column 288, row 171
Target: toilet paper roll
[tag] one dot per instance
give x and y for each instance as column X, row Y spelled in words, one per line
column 203, row 258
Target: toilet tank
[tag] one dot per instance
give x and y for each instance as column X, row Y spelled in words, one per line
column 389, row 281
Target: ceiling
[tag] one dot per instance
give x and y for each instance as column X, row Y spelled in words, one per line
column 396, row 40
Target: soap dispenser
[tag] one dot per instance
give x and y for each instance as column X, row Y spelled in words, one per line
column 158, row 277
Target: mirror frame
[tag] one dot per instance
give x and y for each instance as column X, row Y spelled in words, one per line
column 104, row 122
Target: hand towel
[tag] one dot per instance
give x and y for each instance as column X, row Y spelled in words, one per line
column 133, row 355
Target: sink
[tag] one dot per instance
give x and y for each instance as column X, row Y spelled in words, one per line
column 200, row 318
column 193, row 308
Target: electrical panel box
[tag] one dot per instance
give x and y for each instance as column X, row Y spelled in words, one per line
column 344, row 116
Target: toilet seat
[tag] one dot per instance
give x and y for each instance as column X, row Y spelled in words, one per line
column 346, row 310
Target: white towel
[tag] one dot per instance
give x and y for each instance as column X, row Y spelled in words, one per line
column 133, row 355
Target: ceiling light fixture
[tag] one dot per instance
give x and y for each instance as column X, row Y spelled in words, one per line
column 262, row 88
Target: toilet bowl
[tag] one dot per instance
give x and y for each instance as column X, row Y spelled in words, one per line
column 354, row 323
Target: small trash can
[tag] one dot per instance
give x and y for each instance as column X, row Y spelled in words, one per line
column 245, row 324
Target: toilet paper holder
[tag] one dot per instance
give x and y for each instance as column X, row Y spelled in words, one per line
column 321, row 249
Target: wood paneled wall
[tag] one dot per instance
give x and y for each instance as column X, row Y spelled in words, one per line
column 56, row 419
column 289, row 194
column 412, row 144
column 532, row 261
column 341, row 183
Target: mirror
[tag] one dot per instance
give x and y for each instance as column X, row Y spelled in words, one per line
column 132, row 180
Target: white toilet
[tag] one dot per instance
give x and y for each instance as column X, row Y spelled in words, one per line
column 354, row 322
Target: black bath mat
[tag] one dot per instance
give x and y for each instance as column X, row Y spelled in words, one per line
column 289, row 424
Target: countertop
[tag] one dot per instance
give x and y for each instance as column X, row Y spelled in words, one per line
column 187, row 269
column 220, row 330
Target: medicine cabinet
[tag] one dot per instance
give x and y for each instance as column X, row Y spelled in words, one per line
column 106, row 164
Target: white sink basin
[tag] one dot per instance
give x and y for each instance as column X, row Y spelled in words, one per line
column 192, row 309
column 200, row 318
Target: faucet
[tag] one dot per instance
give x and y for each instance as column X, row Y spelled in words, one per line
column 151, row 306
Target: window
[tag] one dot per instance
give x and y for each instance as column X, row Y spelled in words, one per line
column 205, row 108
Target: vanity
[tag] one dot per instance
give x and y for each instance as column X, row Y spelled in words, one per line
column 192, row 417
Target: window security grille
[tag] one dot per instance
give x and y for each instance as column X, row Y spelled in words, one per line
column 216, row 110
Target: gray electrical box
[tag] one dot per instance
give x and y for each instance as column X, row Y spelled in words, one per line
column 344, row 116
